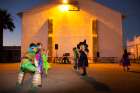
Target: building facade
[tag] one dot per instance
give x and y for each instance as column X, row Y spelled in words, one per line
column 67, row 23
column 133, row 46
column 10, row 54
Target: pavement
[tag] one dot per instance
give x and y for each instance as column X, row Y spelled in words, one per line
column 102, row 78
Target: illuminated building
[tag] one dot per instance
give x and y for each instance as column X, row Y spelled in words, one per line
column 70, row 22
column 133, row 47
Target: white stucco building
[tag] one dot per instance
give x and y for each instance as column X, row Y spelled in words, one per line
column 69, row 23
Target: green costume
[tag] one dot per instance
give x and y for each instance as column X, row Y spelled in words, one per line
column 46, row 65
column 27, row 62
column 26, row 65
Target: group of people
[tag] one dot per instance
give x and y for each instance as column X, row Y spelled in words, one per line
column 80, row 57
column 35, row 61
column 81, row 60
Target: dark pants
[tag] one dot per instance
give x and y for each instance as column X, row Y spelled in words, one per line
column 84, row 71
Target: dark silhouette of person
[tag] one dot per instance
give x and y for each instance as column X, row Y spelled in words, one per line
column 125, row 61
column 83, row 59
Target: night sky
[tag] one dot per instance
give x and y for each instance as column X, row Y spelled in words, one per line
column 129, row 8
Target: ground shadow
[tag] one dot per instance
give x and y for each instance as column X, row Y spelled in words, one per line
column 135, row 72
column 99, row 86
column 8, row 91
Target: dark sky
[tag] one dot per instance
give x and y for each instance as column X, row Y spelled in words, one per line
column 130, row 8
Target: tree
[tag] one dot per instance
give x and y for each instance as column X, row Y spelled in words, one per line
column 6, row 22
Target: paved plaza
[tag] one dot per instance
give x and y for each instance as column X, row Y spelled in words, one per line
column 102, row 78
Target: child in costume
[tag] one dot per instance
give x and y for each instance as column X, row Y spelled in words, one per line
column 39, row 58
column 39, row 64
column 38, row 61
column 37, row 79
column 27, row 63
column 46, row 65
column 76, row 56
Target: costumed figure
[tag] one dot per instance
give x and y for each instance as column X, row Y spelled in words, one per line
column 37, row 78
column 76, row 56
column 83, row 59
column 39, row 58
column 27, row 63
column 46, row 65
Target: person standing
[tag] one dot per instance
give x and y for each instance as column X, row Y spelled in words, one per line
column 39, row 64
column 75, row 52
column 39, row 57
column 125, row 61
column 46, row 64
column 83, row 59
column 27, row 63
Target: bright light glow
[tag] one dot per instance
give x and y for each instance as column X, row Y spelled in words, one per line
column 64, row 7
column 65, row 1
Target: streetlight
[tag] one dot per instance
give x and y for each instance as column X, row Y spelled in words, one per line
column 69, row 5
column 64, row 6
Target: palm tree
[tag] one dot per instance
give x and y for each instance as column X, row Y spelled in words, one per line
column 6, row 22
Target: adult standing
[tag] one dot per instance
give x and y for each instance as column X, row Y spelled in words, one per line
column 83, row 59
column 125, row 61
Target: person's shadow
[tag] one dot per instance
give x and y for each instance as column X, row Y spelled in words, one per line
column 99, row 86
